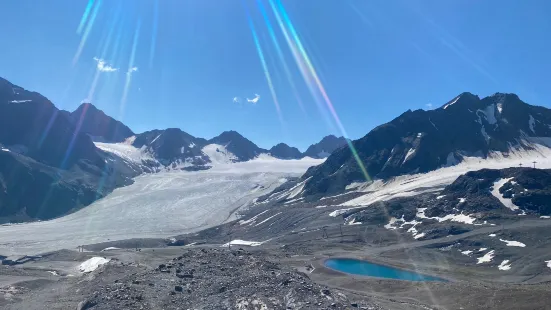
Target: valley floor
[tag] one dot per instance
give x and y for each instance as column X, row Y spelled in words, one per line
column 286, row 274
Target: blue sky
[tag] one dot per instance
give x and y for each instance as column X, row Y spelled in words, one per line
column 373, row 59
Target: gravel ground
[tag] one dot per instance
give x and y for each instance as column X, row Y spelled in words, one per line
column 206, row 278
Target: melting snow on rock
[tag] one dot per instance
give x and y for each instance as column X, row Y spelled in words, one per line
column 507, row 202
column 513, row 243
column 243, row 242
column 504, row 265
column 486, row 258
column 92, row 264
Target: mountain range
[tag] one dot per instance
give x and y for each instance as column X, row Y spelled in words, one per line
column 53, row 161
column 420, row 141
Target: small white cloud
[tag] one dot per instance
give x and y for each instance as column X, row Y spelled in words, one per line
column 132, row 70
column 429, row 105
column 236, row 100
column 254, row 100
column 102, row 66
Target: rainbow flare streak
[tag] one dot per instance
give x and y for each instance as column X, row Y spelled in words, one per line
column 280, row 53
column 154, row 34
column 85, row 16
column 129, row 72
column 263, row 61
column 89, row 27
column 309, row 73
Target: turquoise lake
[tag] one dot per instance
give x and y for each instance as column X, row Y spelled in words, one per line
column 364, row 268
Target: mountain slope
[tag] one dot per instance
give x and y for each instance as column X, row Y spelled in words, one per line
column 98, row 125
column 420, row 141
column 47, row 167
column 325, row 147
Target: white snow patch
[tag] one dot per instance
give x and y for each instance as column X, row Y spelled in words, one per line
column 410, row 152
column 419, row 236
column 548, row 263
column 391, row 223
column 353, row 185
column 468, row 252
column 531, row 123
column 155, row 138
column 111, row 248
column 218, row 154
column 486, row 258
column 504, row 265
column 92, row 264
column 419, row 135
column 297, row 189
column 321, row 207
column 252, row 219
column 499, row 107
column 433, row 124
column 513, row 243
column 294, row 200
column 191, row 145
column 461, row 218
column 462, row 200
column 271, row 217
column 545, row 217
column 20, row 101
column 182, row 149
column 482, row 249
column 507, row 202
column 451, row 102
column 4, row 149
column 440, row 197
column 492, row 235
column 243, row 242
column 353, row 222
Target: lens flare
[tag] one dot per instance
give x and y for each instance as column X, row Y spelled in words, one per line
column 154, row 33
column 89, row 27
column 85, row 16
column 309, row 73
column 73, row 138
column 131, row 69
column 279, row 52
column 263, row 62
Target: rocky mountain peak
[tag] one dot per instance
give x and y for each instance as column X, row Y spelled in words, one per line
column 284, row 151
column 98, row 125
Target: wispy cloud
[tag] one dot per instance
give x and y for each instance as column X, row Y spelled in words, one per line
column 103, row 66
column 429, row 105
column 132, row 70
column 236, row 100
column 255, row 99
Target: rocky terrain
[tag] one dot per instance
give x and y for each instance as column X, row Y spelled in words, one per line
column 46, row 167
column 206, row 278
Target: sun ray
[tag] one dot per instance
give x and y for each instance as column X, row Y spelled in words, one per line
column 130, row 70
column 84, row 18
column 263, row 62
column 280, row 55
column 310, row 75
column 154, row 33
column 87, row 31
